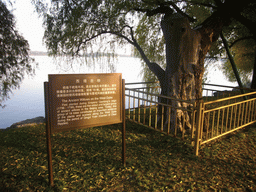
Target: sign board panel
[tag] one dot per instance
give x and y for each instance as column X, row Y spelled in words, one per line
column 84, row 100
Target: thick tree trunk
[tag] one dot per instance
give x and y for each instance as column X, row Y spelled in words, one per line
column 253, row 85
column 182, row 59
column 186, row 49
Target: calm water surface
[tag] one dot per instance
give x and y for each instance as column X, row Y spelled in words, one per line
column 28, row 101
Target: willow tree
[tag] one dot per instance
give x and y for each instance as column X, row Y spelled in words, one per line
column 151, row 26
column 15, row 61
column 244, row 56
column 242, row 44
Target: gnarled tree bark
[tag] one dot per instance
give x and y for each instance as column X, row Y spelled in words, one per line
column 186, row 49
column 182, row 55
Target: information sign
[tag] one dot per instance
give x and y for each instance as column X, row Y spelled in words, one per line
column 84, row 100
column 74, row 101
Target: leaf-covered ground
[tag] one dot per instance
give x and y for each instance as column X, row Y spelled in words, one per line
column 90, row 160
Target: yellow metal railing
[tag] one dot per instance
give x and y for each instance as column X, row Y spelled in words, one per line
column 213, row 91
column 170, row 117
column 212, row 117
column 226, row 115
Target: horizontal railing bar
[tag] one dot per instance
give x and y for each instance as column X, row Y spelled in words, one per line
column 229, row 98
column 230, row 105
column 209, row 84
column 216, row 85
column 228, row 86
column 202, row 88
column 203, row 84
column 144, row 87
column 167, row 105
column 141, row 83
column 172, row 98
column 215, row 90
column 242, row 126
column 160, row 87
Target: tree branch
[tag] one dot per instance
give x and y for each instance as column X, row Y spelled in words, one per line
column 191, row 19
column 241, row 39
column 118, row 33
column 164, row 8
column 203, row 4
column 154, row 67
column 212, row 26
column 246, row 22
column 161, row 9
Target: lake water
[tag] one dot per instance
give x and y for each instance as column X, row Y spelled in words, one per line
column 28, row 101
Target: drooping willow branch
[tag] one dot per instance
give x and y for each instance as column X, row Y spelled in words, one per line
column 154, row 67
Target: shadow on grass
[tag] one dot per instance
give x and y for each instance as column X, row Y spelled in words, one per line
column 90, row 160
column 25, row 139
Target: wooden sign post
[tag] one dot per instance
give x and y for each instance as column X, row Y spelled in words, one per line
column 74, row 101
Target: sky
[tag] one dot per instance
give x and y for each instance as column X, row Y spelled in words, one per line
column 30, row 27
column 29, row 24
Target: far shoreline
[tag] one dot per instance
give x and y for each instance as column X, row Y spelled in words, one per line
column 27, row 122
column 43, row 53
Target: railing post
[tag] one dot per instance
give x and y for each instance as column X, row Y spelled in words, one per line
column 199, row 123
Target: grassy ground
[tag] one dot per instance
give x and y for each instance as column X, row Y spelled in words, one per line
column 90, row 160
